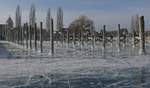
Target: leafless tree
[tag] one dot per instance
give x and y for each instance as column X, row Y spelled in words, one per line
column 59, row 19
column 135, row 24
column 18, row 17
column 48, row 19
column 32, row 18
column 82, row 23
column 48, row 23
column 18, row 24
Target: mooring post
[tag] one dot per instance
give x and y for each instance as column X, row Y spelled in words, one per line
column 30, row 36
column 141, row 35
column 41, row 38
column 104, row 41
column 35, row 36
column 52, row 37
column 118, row 40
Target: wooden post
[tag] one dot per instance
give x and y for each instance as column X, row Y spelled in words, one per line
column 133, row 38
column 141, row 35
column 68, row 38
column 41, row 34
column 30, row 36
column 81, row 38
column 52, row 38
column 118, row 40
column 35, row 37
column 27, row 34
column 23, row 28
column 93, row 40
column 104, row 41
column 74, row 39
column 20, row 35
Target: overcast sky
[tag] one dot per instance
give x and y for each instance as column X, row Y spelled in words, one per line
column 103, row 12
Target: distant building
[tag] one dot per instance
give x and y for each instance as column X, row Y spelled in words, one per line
column 2, row 31
column 10, row 23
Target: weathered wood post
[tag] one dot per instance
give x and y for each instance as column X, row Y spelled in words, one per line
column 30, row 36
column 141, row 35
column 52, row 37
column 93, row 40
column 118, row 39
column 22, row 35
column 74, row 39
column 6, row 32
column 35, row 36
column 41, row 38
column 27, row 34
column 81, row 37
column 68, row 38
column 133, row 38
column 104, row 39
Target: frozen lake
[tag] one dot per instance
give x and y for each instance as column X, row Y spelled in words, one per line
column 74, row 67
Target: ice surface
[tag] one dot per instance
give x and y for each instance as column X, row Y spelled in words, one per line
column 74, row 67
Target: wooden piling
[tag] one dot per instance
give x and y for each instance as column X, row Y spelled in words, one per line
column 74, row 39
column 68, row 38
column 141, row 35
column 133, row 38
column 118, row 38
column 30, row 36
column 93, row 40
column 35, row 36
column 81, row 38
column 41, row 37
column 27, row 34
column 52, row 37
column 104, row 41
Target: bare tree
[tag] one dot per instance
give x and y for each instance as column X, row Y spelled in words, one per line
column 135, row 24
column 32, row 18
column 18, row 17
column 48, row 23
column 60, row 19
column 82, row 23
column 18, row 24
column 132, row 24
column 48, row 19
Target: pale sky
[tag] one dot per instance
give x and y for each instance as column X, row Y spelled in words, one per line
column 103, row 12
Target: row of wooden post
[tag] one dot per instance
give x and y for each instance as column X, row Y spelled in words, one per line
column 28, row 30
column 28, row 37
